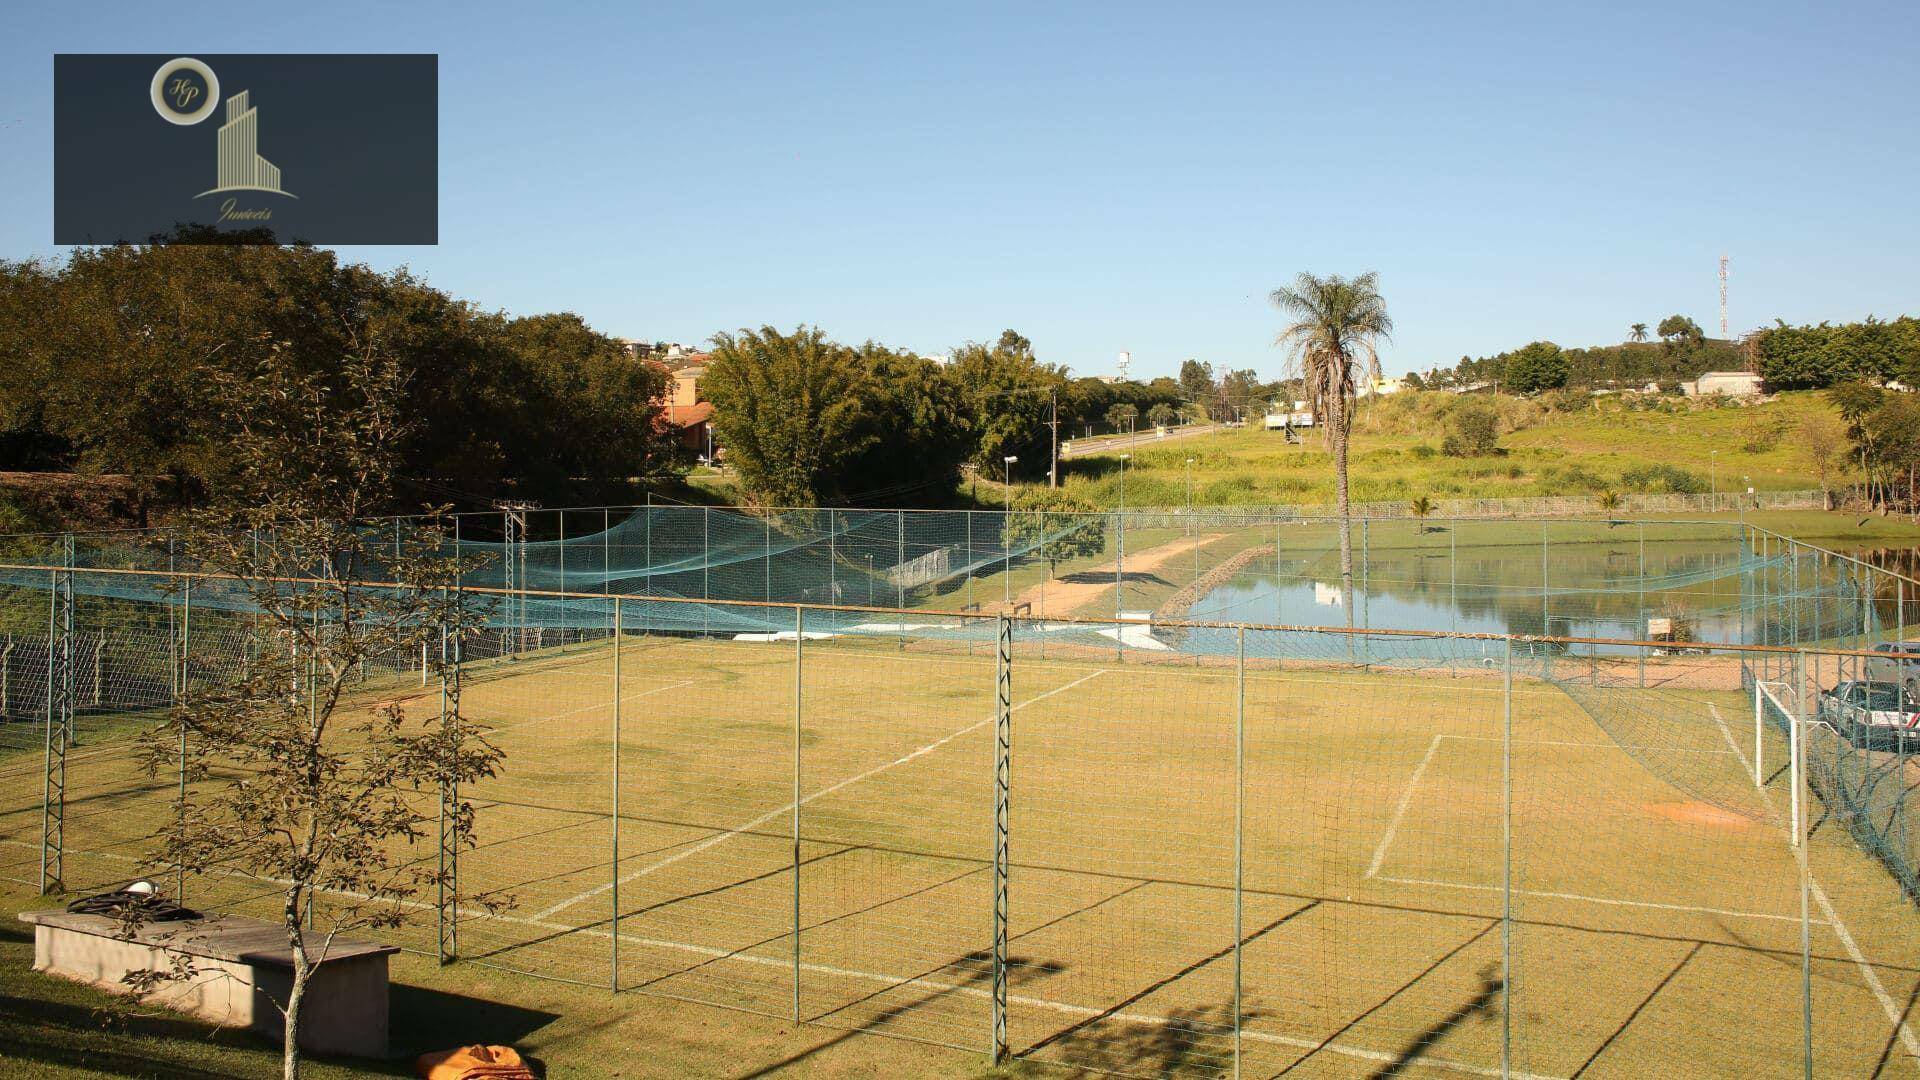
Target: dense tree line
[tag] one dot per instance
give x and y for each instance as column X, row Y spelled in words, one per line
column 1810, row 357
column 1787, row 358
column 122, row 360
column 1682, row 354
column 808, row 421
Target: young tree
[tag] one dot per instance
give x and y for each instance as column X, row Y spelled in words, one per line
column 294, row 778
column 1337, row 326
column 1825, row 441
column 1056, row 525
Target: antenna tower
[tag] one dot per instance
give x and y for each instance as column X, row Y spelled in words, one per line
column 1724, row 336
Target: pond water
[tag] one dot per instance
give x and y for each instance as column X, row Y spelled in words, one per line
column 1706, row 591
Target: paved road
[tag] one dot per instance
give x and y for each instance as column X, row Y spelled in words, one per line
column 1145, row 438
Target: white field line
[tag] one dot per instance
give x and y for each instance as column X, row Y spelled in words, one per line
column 607, row 704
column 1406, row 800
column 1608, row 900
column 754, row 823
column 1400, row 811
column 923, row 983
column 1595, row 745
column 1871, row 977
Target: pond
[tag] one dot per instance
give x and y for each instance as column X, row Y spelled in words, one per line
column 1608, row 587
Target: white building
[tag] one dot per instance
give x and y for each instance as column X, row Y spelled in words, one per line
column 1723, row 384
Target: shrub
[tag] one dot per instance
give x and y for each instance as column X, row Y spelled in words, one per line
column 1421, row 452
column 1565, row 400
column 1662, row 479
column 1472, row 431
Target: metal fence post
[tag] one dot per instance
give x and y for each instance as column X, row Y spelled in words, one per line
column 799, row 685
column 1506, row 868
column 182, row 684
column 613, row 950
column 1239, row 820
column 1002, row 791
column 1797, row 749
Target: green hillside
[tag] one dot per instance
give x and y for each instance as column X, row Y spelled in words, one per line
column 1668, row 445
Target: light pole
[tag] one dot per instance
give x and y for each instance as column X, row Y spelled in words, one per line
column 1713, row 483
column 1120, row 531
column 1006, row 539
column 1190, row 543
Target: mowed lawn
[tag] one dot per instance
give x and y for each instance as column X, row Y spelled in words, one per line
column 1654, row 896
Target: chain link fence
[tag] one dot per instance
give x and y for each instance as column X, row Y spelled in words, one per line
column 1142, row 845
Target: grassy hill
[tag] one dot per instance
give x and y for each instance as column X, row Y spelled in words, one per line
column 1673, row 445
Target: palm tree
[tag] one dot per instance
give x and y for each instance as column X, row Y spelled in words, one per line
column 1421, row 507
column 1638, row 333
column 1337, row 324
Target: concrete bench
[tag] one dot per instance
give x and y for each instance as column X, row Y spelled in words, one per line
column 243, row 967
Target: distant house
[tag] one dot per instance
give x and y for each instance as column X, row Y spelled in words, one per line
column 1723, row 384
column 1381, row 387
column 684, row 414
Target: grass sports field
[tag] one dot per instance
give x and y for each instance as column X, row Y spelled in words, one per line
column 1651, row 932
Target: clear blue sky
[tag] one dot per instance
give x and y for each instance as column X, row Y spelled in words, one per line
column 1107, row 177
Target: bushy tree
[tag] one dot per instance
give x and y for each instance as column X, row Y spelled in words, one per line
column 1163, row 415
column 1472, row 431
column 1536, row 367
column 109, row 362
column 1004, row 390
column 791, row 410
column 1121, row 417
column 915, row 429
column 1055, row 525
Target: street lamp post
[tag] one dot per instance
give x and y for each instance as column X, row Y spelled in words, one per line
column 1190, row 543
column 1120, row 531
column 1006, row 539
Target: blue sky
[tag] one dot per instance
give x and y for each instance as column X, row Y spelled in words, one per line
column 1105, row 176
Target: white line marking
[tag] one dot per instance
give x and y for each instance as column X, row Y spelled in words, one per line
column 1584, row 898
column 588, row 708
column 1839, row 926
column 747, row 826
column 1400, row 811
column 785, row 963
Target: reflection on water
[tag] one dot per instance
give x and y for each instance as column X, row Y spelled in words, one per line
column 1606, row 590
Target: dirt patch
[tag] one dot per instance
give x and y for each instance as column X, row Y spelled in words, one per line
column 1699, row 813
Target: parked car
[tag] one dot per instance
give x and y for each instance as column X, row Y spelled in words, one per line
column 1902, row 665
column 1872, row 713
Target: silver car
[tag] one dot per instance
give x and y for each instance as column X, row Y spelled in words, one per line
column 1874, row 714
column 1901, row 664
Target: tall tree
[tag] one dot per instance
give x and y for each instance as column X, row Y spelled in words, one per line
column 1338, row 324
column 1637, row 332
column 1196, row 380
column 1006, row 395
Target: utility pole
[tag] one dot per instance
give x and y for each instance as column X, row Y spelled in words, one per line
column 1053, row 470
